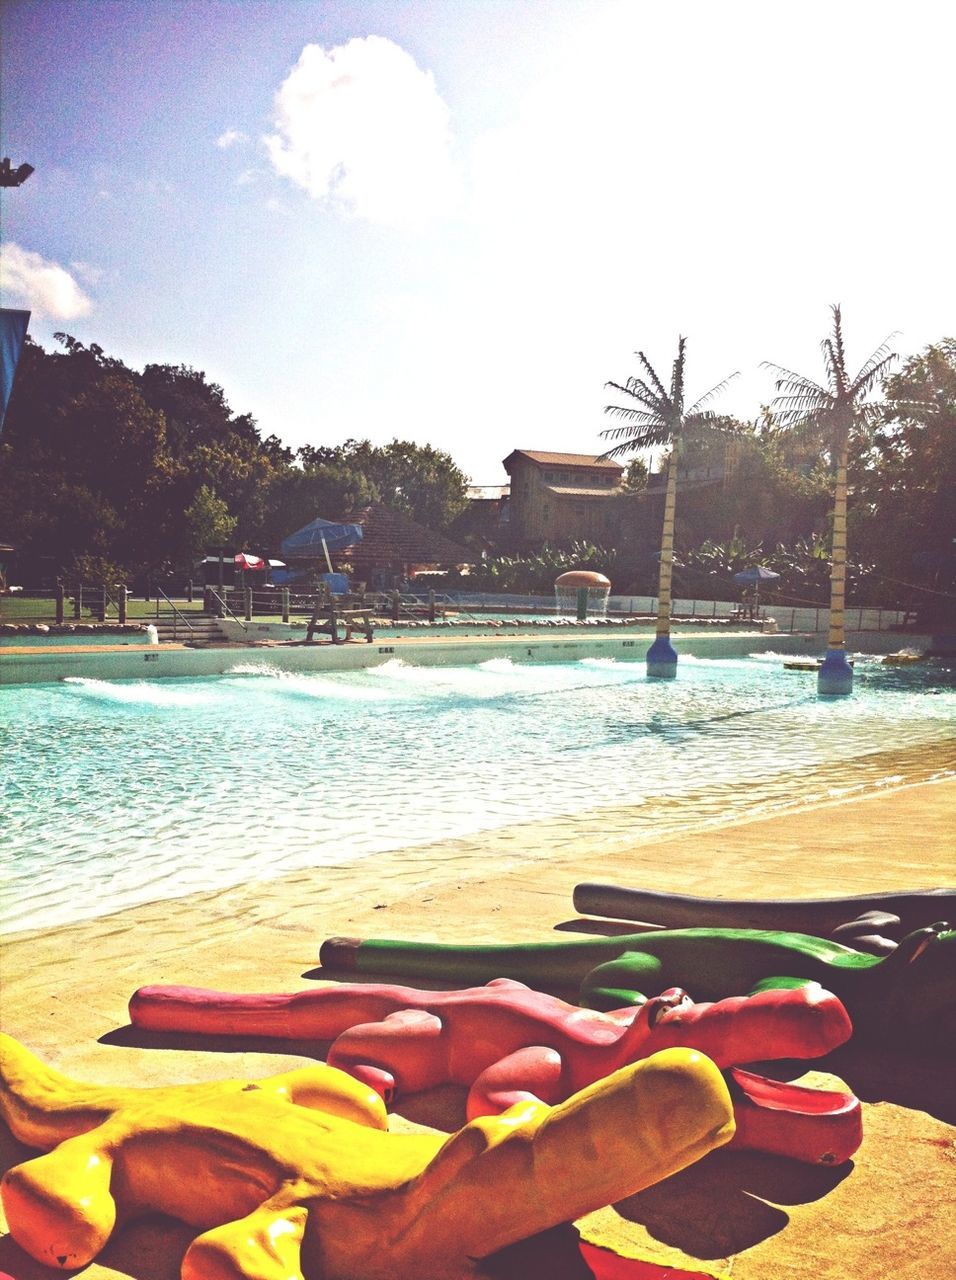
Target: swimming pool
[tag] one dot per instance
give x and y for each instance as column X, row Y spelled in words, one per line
column 121, row 792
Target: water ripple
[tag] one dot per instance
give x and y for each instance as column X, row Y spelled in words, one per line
column 119, row 792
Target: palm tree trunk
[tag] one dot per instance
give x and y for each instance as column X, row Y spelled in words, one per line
column 836, row 674
column 662, row 656
column 836, row 638
column 667, row 550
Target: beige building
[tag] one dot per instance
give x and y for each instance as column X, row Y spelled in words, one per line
column 559, row 497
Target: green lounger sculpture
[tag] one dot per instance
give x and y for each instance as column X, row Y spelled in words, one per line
column 906, row 998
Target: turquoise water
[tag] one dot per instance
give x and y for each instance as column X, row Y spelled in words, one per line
column 121, row 792
column 83, row 638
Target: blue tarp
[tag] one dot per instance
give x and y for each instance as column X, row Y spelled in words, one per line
column 308, row 541
column 13, row 329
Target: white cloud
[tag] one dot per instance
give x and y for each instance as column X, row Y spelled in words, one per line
column 87, row 272
column 231, row 138
column 362, row 125
column 45, row 287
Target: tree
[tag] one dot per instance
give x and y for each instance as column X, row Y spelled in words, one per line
column 836, row 414
column 662, row 420
column 636, row 475
column 84, row 462
column 207, row 523
column 422, row 482
column 905, row 518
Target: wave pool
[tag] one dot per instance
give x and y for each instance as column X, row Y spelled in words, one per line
column 121, row 792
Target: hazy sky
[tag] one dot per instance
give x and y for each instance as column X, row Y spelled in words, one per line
column 453, row 221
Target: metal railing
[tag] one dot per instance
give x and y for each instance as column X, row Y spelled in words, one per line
column 216, row 599
column 178, row 615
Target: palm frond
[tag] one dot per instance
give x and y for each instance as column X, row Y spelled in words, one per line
column 787, row 379
column 835, row 378
column 879, row 356
column 866, row 416
column 872, row 372
column 637, row 387
column 820, row 409
column 638, row 417
column 786, row 418
column 652, row 374
column 639, row 392
column 835, row 349
column 900, row 408
column 811, row 401
column 662, row 419
column 677, row 378
column 647, row 439
column 709, row 395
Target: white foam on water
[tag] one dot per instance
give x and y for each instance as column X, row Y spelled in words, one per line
column 295, row 684
column 490, row 679
column 140, row 693
column 715, row 664
column 770, row 655
column 397, row 755
column 263, row 669
column 504, row 677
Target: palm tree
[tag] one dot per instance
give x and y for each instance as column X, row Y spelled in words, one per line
column 838, row 412
column 660, row 420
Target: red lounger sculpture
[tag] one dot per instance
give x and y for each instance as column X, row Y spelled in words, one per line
column 507, row 1043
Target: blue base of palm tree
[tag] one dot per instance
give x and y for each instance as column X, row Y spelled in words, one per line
column 662, row 659
column 835, row 676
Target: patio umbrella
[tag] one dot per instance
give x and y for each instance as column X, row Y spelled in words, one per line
column 321, row 533
column 246, row 561
column 753, row 577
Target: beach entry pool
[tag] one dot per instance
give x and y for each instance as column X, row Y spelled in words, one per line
column 122, row 792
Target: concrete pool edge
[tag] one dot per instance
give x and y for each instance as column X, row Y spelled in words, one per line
column 151, row 662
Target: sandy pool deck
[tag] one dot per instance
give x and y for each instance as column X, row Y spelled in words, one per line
column 64, row 993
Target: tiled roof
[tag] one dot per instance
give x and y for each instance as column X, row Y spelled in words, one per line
column 575, row 491
column 591, row 461
column 388, row 537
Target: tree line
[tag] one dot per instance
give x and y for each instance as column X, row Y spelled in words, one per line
column 109, row 474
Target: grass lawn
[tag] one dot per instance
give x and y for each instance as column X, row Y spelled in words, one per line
column 17, row 608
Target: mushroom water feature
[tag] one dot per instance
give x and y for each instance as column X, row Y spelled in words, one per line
column 581, row 592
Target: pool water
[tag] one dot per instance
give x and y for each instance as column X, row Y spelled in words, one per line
column 71, row 639
column 122, row 792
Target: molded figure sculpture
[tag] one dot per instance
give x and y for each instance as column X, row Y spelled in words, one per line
column 871, row 922
column 908, row 996
column 507, row 1043
column 295, row 1176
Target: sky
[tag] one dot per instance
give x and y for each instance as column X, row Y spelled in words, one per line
column 454, row 221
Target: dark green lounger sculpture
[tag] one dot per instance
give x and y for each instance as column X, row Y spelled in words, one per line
column 902, row 999
column 873, row 922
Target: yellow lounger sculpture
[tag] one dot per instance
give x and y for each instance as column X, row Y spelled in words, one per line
column 296, row 1175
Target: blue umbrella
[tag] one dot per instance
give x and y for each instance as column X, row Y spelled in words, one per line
column 321, row 534
column 753, row 577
